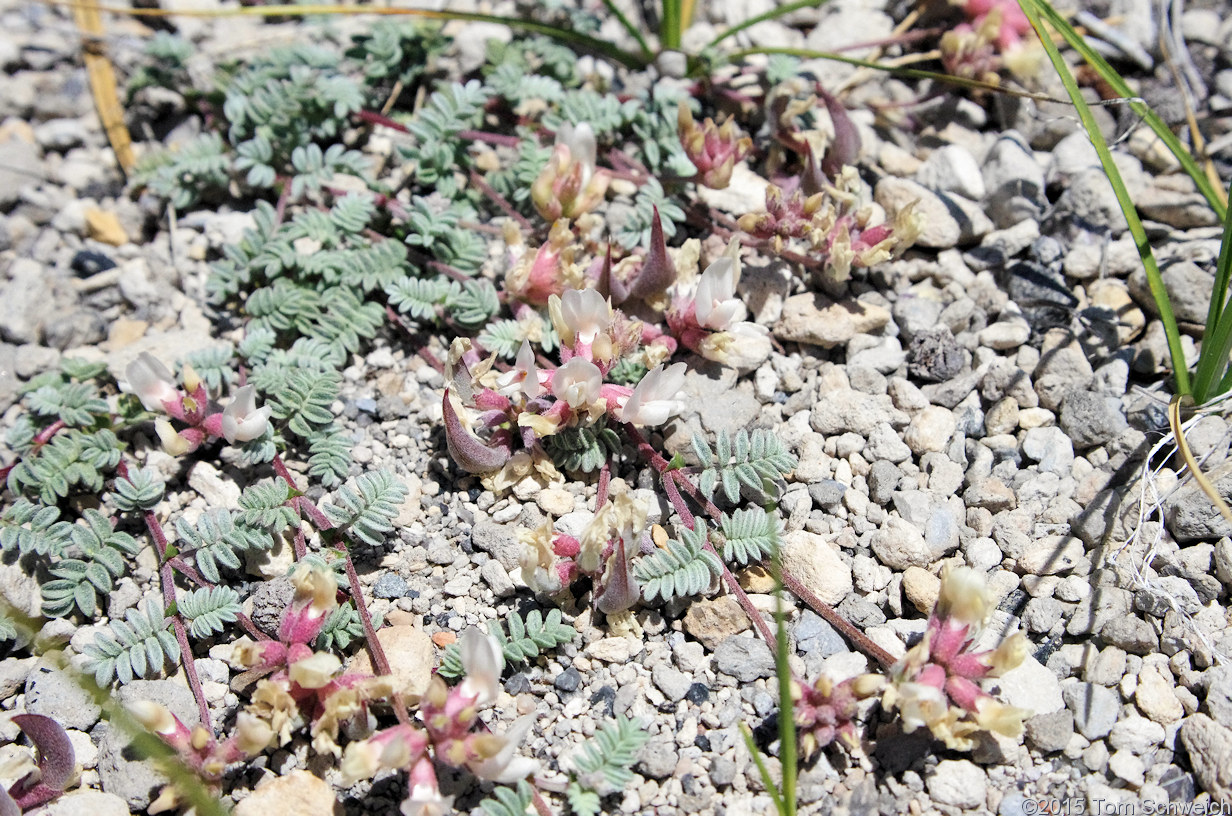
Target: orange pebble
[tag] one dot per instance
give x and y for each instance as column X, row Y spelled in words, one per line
column 443, row 639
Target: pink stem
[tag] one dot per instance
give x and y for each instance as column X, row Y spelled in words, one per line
column 167, row 579
column 375, row 651
column 488, row 138
column 501, row 202
column 45, row 435
column 832, row 617
column 374, row 118
column 669, row 477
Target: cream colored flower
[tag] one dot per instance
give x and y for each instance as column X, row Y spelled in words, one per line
column 501, row 765
column 654, row 400
column 964, row 596
column 314, row 672
column 150, row 380
column 242, row 421
column 577, row 382
column 483, row 661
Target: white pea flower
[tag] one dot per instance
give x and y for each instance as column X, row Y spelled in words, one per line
column 242, row 421
column 577, row 382
column 523, row 377
column 502, row 766
column 716, row 304
column 426, row 800
column 654, row 398
column 483, row 661
column 920, row 704
column 964, row 596
column 580, row 314
column 744, row 346
column 150, row 380
column 316, row 671
column 583, row 147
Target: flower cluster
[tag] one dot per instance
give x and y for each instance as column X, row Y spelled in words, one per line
column 839, row 224
column 240, row 421
column 552, row 561
column 712, row 149
column 710, row 320
column 449, row 734
column 519, row 408
column 304, row 686
column 825, row 711
column 993, row 36
column 197, row 748
column 570, row 184
column 936, row 684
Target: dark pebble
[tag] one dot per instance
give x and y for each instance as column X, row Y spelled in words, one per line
column 518, row 684
column 698, row 693
column 702, row 741
column 568, row 680
column 89, row 262
column 935, row 355
column 603, row 699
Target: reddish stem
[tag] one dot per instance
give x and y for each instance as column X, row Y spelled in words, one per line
column 541, row 806
column 792, row 584
column 502, row 139
column 167, row 579
column 45, row 435
column 374, row 118
column 669, row 477
column 375, row 651
column 300, row 545
column 605, row 478
column 501, row 202
column 860, row 640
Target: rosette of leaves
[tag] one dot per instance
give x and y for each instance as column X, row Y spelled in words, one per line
column 367, row 511
column 605, row 764
column 217, row 541
column 755, row 462
column 207, row 610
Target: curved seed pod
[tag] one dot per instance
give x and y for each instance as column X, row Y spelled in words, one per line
column 658, row 272
column 56, row 762
column 466, row 449
column 845, row 148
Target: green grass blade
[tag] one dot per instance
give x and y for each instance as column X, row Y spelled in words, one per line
column 1217, row 336
column 761, row 18
column 787, row 719
column 1154, row 281
column 1212, row 194
column 632, row 29
column 670, row 25
column 762, row 769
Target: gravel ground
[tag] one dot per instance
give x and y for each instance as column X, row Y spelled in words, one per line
column 989, row 399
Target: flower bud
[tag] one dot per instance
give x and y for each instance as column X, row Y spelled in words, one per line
column 150, row 380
